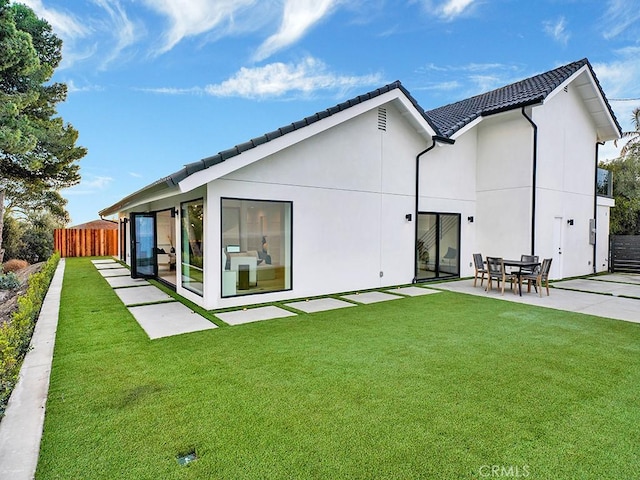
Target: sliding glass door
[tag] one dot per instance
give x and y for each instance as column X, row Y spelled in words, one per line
column 143, row 242
column 438, row 246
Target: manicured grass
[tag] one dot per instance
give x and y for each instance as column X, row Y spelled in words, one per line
column 440, row 386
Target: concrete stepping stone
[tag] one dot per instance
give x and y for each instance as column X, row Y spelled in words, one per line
column 119, row 282
column 106, row 266
column 114, row 272
column 239, row 317
column 413, row 291
column 168, row 319
column 371, row 297
column 319, row 305
column 619, row 278
column 143, row 294
column 611, row 288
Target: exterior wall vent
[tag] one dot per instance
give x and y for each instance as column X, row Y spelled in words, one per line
column 382, row 119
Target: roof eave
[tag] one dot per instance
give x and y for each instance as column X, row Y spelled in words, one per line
column 145, row 194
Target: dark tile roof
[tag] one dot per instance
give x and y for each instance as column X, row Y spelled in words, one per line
column 451, row 118
column 444, row 121
column 220, row 157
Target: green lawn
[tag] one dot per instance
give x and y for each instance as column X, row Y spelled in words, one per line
column 441, row 386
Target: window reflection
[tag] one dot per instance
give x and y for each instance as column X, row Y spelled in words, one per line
column 192, row 217
column 256, row 246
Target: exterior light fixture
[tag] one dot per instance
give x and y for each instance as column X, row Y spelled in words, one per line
column 470, row 219
column 570, row 221
column 408, row 216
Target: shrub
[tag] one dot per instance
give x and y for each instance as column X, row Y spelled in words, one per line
column 14, row 265
column 12, row 242
column 9, row 281
column 15, row 335
column 38, row 244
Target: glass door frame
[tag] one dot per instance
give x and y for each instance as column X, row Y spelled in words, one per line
column 135, row 270
column 123, row 239
column 438, row 271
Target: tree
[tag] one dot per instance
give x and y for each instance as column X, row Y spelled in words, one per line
column 633, row 136
column 625, row 216
column 38, row 152
column 12, row 237
column 37, row 239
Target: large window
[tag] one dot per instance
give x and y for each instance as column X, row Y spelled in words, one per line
column 192, row 216
column 256, row 246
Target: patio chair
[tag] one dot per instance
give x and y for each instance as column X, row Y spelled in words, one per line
column 496, row 271
column 539, row 277
column 478, row 263
column 528, row 258
column 526, row 270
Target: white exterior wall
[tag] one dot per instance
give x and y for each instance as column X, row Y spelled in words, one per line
column 504, row 179
column 566, row 173
column 351, row 187
column 448, row 185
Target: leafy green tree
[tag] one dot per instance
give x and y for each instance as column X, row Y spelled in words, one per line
column 12, row 240
column 625, row 216
column 38, row 152
column 37, row 240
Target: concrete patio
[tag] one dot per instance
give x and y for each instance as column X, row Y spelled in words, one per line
column 594, row 296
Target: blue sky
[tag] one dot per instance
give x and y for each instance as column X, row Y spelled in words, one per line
column 156, row 84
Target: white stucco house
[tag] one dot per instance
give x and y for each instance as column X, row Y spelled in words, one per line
column 377, row 192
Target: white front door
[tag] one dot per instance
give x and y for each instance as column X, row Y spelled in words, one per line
column 556, row 266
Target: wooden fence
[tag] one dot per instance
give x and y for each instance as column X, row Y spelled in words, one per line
column 625, row 253
column 76, row 242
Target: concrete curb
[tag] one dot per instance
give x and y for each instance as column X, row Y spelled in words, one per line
column 21, row 427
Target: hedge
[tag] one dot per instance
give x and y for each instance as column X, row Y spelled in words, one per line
column 15, row 335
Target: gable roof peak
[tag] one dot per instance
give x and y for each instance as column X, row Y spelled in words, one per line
column 451, row 118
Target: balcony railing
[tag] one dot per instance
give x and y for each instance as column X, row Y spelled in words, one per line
column 604, row 187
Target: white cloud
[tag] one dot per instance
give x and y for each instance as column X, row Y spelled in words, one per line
column 278, row 79
column 89, row 185
column 97, row 182
column 454, row 8
column 619, row 82
column 469, row 79
column 123, row 29
column 112, row 35
column 486, row 83
column 64, row 24
column 73, row 88
column 297, row 17
column 194, row 17
column 469, row 67
column 620, row 16
column 445, row 86
column 619, row 77
column 557, row 30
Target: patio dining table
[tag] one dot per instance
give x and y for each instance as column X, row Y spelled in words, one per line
column 520, row 264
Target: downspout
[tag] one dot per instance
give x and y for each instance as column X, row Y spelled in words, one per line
column 434, row 139
column 595, row 209
column 534, row 180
